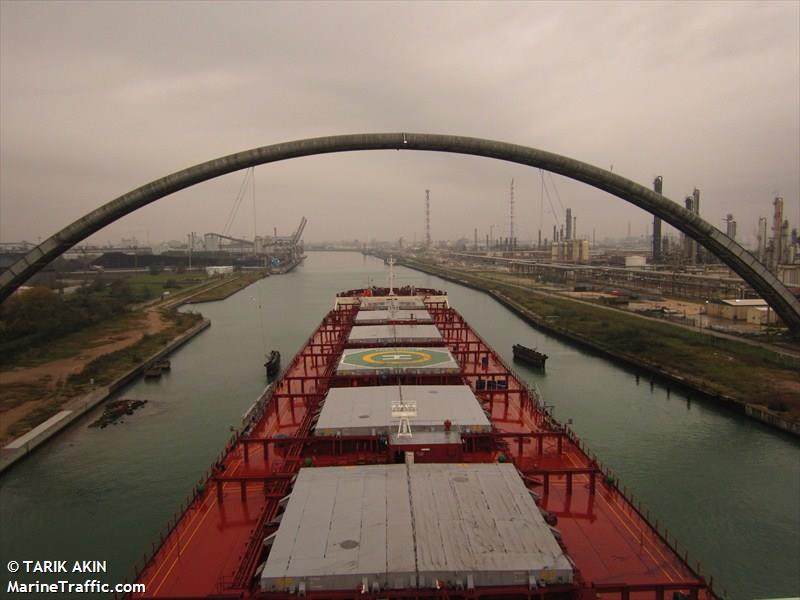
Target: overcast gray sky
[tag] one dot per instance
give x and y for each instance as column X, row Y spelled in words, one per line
column 99, row 98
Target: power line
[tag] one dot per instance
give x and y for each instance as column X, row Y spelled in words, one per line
column 555, row 189
column 550, row 202
column 237, row 202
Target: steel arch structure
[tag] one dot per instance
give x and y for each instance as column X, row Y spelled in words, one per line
column 727, row 250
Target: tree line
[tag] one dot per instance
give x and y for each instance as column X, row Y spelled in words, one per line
column 39, row 314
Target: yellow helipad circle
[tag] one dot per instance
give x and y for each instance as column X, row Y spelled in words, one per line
column 396, row 357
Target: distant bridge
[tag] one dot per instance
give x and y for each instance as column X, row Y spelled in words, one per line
column 719, row 244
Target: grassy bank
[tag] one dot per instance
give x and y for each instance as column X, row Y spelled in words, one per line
column 716, row 366
column 149, row 285
column 108, row 367
column 25, row 405
column 229, row 288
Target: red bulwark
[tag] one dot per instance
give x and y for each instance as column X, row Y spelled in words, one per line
column 215, row 546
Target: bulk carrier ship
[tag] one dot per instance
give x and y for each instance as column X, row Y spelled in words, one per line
column 400, row 457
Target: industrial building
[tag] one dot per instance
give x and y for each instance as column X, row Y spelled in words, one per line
column 692, row 250
column 571, row 251
column 751, row 310
column 276, row 251
column 779, row 249
column 223, row 270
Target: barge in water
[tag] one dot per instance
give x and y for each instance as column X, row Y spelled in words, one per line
column 529, row 356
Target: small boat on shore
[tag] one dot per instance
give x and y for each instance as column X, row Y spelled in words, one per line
column 529, row 356
column 273, row 364
column 152, row 372
column 156, row 368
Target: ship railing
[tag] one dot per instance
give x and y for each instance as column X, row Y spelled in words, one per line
column 569, row 474
column 291, row 464
column 610, row 478
column 671, row 541
column 198, row 490
column 385, row 291
column 529, row 387
column 451, row 592
column 658, row 589
column 163, row 535
column 256, row 413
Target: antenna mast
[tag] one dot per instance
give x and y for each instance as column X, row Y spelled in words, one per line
column 427, row 218
column 391, row 275
column 511, row 219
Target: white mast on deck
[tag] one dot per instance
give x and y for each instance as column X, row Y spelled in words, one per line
column 391, row 275
column 404, row 410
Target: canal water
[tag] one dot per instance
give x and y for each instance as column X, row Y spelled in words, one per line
column 727, row 487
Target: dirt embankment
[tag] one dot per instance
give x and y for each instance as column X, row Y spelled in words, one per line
column 24, row 390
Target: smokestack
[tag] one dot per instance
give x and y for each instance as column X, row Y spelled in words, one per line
column 762, row 239
column 569, row 224
column 698, row 249
column 730, row 226
column 690, row 251
column 784, row 256
column 777, row 225
column 657, row 187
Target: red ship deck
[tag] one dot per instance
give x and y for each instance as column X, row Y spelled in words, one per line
column 215, row 546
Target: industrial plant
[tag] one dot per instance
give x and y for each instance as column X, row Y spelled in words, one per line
column 651, row 268
column 276, row 253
